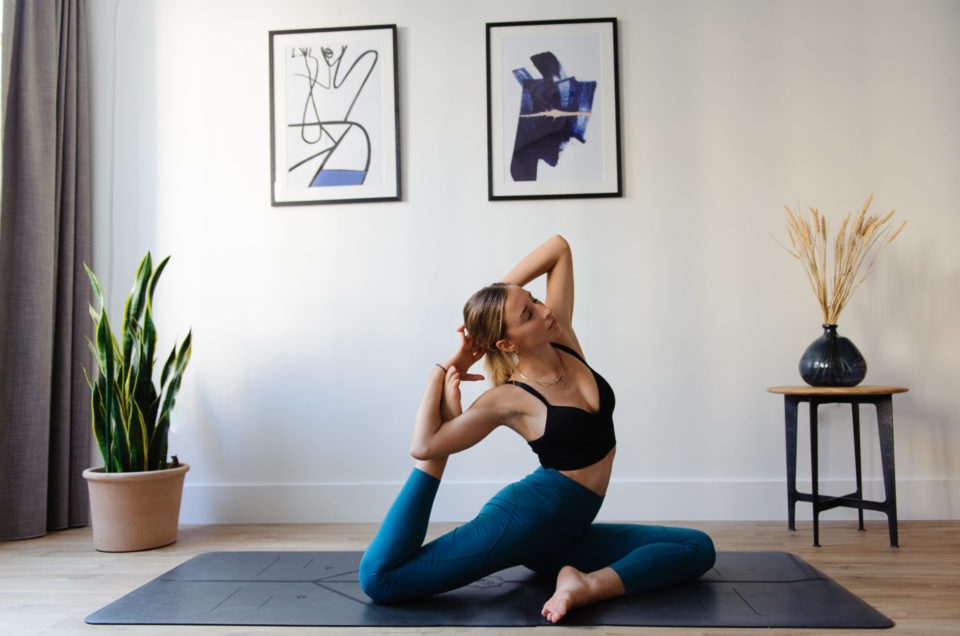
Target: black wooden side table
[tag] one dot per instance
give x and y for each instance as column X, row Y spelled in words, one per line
column 879, row 396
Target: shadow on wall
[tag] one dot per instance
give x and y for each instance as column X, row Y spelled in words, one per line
column 290, row 418
column 912, row 305
column 132, row 202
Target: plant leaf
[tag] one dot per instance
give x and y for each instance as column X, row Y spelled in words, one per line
column 106, row 360
column 168, row 366
column 99, row 420
column 97, row 290
column 158, row 442
column 185, row 349
column 155, row 278
column 121, row 437
column 139, row 452
column 145, row 394
column 136, row 302
column 93, row 350
column 170, row 396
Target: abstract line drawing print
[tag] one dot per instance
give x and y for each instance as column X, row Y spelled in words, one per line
column 329, row 144
column 553, row 110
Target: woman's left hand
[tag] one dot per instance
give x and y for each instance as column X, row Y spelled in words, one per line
column 467, row 354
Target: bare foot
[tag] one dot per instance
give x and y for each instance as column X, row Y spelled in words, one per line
column 571, row 586
column 450, row 406
column 575, row 589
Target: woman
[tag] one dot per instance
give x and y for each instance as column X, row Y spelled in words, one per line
column 546, row 392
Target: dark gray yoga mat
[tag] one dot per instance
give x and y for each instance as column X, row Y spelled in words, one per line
column 744, row 589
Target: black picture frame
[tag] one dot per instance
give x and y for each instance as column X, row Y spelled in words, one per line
column 556, row 136
column 334, row 115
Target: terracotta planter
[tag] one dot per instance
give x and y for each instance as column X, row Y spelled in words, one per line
column 135, row 511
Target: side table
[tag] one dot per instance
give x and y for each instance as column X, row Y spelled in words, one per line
column 882, row 398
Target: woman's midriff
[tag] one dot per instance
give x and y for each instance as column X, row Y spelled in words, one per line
column 595, row 477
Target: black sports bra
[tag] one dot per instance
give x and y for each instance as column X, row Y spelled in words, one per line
column 574, row 438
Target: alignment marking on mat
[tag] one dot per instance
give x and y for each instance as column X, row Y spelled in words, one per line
column 269, row 598
column 729, row 581
column 339, row 593
column 217, row 606
column 339, row 574
column 752, row 609
column 268, row 567
column 251, row 582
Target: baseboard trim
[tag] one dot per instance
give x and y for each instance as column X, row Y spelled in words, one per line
column 760, row 500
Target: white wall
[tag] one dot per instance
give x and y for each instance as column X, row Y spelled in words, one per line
column 315, row 326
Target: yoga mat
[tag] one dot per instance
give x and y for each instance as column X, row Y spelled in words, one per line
column 744, row 589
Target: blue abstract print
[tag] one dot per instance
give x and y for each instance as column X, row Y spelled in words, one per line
column 553, row 110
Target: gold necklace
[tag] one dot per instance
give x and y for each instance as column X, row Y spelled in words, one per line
column 559, row 378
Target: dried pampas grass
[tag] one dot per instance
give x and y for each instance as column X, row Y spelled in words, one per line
column 855, row 250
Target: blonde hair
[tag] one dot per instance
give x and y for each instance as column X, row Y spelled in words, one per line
column 483, row 316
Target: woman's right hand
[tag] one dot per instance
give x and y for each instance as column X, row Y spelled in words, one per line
column 468, row 353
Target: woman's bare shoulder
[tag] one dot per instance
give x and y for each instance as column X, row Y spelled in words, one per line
column 503, row 394
column 514, row 408
column 507, row 400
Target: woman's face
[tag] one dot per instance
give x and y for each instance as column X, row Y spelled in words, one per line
column 529, row 322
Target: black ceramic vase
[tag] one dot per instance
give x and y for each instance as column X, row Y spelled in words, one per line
column 832, row 360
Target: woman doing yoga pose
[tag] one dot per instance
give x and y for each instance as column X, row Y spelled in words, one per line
column 546, row 392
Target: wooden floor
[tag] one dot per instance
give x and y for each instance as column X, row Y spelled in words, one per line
column 48, row 585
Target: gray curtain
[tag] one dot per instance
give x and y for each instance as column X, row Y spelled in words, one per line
column 45, row 236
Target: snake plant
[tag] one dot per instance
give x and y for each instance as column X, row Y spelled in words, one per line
column 131, row 417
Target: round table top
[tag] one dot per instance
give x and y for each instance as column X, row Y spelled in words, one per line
column 864, row 389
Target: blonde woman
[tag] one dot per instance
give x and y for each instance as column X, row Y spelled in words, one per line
column 545, row 392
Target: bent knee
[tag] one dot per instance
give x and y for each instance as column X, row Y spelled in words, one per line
column 374, row 581
column 385, row 584
column 706, row 553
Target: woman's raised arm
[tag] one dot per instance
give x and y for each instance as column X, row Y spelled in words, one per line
column 554, row 259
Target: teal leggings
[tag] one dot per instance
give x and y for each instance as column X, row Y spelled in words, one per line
column 544, row 522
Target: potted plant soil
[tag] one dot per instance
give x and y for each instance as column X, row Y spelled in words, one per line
column 135, row 495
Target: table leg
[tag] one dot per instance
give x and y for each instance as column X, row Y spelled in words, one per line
column 790, row 418
column 855, row 407
column 814, row 471
column 885, row 426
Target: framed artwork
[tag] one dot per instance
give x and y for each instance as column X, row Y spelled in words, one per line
column 334, row 136
column 553, row 109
